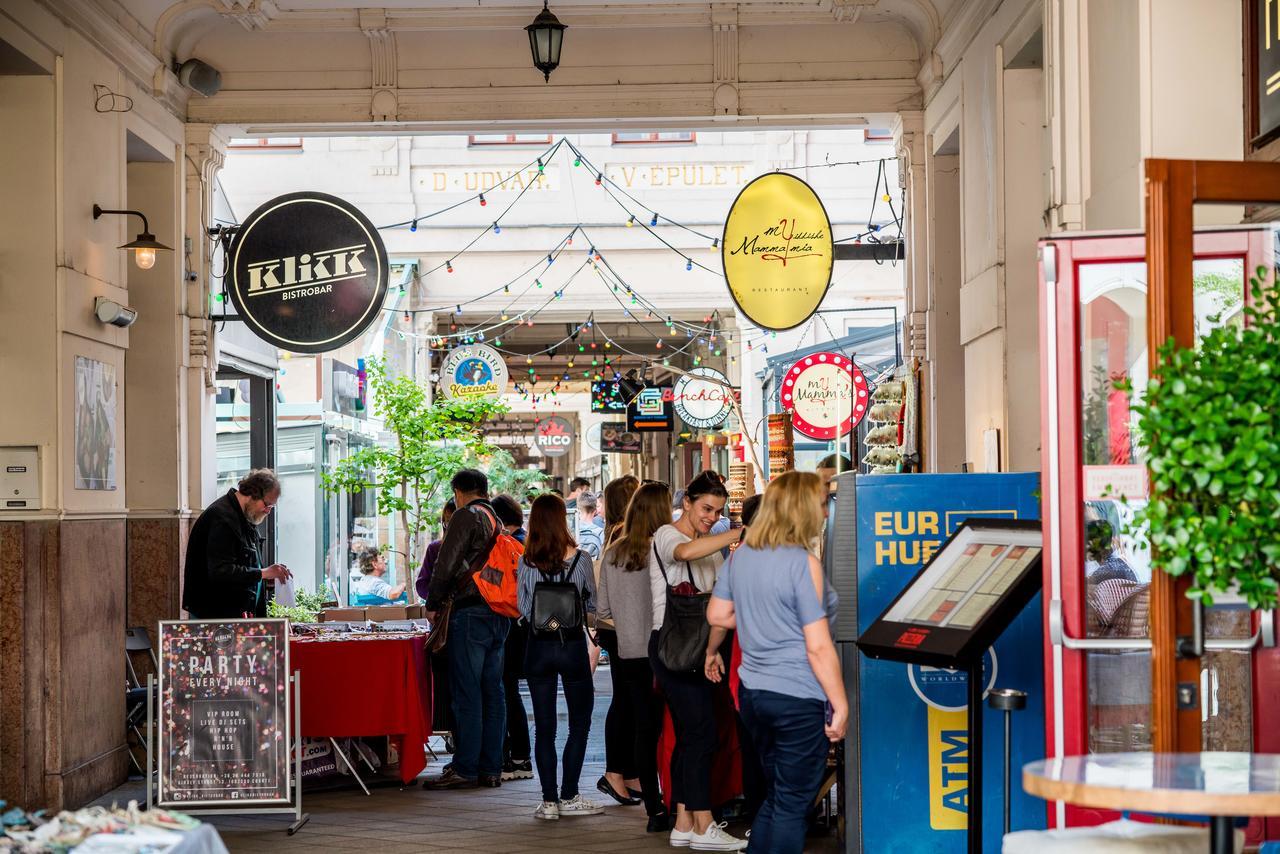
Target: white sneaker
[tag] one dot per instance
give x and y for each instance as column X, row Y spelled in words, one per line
column 547, row 811
column 680, row 838
column 579, row 805
column 715, row 839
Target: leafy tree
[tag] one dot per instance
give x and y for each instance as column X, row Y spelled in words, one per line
column 431, row 443
column 1211, row 424
column 504, row 477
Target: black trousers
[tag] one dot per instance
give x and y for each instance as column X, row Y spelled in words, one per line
column 516, row 746
column 634, row 723
column 690, row 701
column 620, row 720
column 549, row 661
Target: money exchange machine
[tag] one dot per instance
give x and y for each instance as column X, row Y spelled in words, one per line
column 904, row 777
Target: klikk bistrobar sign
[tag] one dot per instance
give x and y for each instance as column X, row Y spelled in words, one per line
column 308, row 272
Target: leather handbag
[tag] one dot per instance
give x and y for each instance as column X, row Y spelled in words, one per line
column 682, row 640
column 557, row 603
column 439, row 633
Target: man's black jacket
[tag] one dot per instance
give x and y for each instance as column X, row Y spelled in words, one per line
column 222, row 576
column 468, row 538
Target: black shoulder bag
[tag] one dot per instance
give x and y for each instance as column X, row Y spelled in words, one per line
column 557, row 605
column 682, row 640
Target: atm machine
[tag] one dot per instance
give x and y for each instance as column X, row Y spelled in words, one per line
column 903, row 781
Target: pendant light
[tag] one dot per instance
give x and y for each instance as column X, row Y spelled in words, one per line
column 546, row 36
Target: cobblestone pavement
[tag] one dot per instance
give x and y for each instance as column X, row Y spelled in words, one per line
column 393, row 820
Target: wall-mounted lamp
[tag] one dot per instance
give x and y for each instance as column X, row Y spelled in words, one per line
column 144, row 246
column 110, row 311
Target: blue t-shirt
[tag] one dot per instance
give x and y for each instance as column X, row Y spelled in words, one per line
column 773, row 597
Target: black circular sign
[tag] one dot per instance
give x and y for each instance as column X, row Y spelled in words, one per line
column 308, row 272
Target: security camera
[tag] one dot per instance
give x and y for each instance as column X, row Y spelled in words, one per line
column 110, row 311
column 200, row 77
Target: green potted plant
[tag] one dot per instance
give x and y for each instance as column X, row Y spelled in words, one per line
column 410, row 476
column 1210, row 423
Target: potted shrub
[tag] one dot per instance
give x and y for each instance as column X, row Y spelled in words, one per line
column 1210, row 423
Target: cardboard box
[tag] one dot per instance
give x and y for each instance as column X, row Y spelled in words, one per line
column 379, row 613
column 415, row 612
column 342, row 615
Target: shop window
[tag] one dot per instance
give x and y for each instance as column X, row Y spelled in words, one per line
column 509, row 139
column 668, row 137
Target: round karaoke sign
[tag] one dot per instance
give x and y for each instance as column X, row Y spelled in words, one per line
column 702, row 398
column 553, row 436
column 308, row 272
column 473, row 372
column 826, row 395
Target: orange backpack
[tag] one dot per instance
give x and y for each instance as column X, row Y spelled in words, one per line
column 496, row 578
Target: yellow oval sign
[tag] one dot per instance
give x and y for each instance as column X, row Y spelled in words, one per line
column 777, row 251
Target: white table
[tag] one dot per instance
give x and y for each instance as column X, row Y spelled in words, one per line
column 1220, row 785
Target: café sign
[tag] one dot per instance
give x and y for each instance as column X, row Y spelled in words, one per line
column 307, row 272
column 826, row 395
column 473, row 372
column 553, row 436
column 777, row 251
column 702, row 398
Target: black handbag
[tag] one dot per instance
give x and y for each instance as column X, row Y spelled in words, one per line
column 557, row 604
column 682, row 640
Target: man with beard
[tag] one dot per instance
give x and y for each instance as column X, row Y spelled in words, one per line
column 223, row 578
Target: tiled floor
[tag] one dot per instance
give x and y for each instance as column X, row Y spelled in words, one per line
column 497, row 821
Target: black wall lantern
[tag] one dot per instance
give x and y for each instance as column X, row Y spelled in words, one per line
column 546, row 36
column 144, row 246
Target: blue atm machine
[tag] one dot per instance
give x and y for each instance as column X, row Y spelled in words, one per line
column 904, row 783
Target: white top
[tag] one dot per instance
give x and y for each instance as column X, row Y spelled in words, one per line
column 704, row 569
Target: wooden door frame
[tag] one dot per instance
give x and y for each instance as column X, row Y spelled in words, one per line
column 1173, row 188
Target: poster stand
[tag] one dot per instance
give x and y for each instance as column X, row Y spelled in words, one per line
column 299, row 817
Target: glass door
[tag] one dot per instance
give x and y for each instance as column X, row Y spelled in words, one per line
column 1098, row 571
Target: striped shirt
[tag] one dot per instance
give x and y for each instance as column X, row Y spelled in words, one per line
column 578, row 570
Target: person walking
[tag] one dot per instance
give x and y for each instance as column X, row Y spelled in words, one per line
column 772, row 591
column 625, row 598
column 556, row 592
column 517, row 763
column 687, row 553
column 223, row 576
column 477, row 636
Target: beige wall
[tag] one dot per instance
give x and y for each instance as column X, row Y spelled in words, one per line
column 28, row 289
column 1062, row 148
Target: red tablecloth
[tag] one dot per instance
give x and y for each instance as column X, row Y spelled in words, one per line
column 367, row 688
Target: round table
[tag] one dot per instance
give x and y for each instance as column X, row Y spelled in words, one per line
column 1219, row 785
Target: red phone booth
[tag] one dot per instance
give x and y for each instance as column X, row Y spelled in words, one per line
column 1097, row 573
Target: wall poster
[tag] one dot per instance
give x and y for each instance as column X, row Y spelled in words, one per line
column 224, row 729
column 95, row 424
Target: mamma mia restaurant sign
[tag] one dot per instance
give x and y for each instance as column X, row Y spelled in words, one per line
column 308, row 272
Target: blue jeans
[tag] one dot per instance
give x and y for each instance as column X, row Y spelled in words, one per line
column 476, row 639
column 547, row 661
column 790, row 737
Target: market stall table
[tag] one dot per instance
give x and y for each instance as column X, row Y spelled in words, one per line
column 1219, row 785
column 367, row 687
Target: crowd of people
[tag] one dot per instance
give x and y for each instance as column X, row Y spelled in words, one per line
column 669, row 590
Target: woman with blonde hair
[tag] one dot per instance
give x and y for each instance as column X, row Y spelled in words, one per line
column 624, row 596
column 772, row 591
